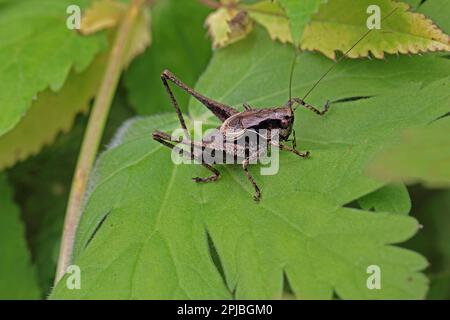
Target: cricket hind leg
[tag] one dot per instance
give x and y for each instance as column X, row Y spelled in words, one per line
column 175, row 105
column 220, row 110
column 166, row 140
column 250, row 178
column 299, row 101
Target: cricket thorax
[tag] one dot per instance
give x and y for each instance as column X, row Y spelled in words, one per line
column 280, row 119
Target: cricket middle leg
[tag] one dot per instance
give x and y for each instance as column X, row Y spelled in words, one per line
column 250, row 178
column 167, row 140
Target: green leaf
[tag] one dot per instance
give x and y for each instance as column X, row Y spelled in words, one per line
column 56, row 110
column 339, row 24
column 151, row 241
column 391, row 198
column 17, row 275
column 187, row 58
column 38, row 52
column 299, row 14
column 438, row 10
column 421, row 155
column 413, row 3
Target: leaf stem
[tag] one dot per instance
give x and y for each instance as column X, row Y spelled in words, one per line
column 93, row 136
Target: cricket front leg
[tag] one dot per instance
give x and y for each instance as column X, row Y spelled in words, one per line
column 291, row 102
column 250, row 178
column 293, row 150
column 166, row 140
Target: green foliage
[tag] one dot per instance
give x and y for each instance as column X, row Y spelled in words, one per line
column 178, row 44
column 391, row 198
column 151, row 241
column 17, row 275
column 334, row 26
column 148, row 231
column 57, row 110
column 438, row 9
column 38, row 51
column 422, row 155
column 299, row 14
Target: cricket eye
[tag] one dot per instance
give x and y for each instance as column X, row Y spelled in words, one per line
column 284, row 123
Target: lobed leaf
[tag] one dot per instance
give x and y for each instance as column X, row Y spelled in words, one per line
column 391, row 198
column 146, row 227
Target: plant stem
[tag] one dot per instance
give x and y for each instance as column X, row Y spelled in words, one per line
column 93, row 136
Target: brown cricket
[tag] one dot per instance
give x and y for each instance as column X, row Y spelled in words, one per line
column 233, row 121
column 279, row 118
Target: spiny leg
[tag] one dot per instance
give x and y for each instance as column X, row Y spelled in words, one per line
column 291, row 102
column 175, row 105
column 257, row 195
column 166, row 139
column 220, row 110
column 293, row 150
column 247, row 107
column 294, row 141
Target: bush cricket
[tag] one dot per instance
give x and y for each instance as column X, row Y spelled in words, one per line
column 233, row 121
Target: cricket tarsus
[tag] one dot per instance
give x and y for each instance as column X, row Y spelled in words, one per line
column 250, row 178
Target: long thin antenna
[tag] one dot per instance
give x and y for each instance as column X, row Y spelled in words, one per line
column 344, row 56
column 294, row 61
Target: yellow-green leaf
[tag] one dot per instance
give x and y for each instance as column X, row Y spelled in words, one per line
column 102, row 15
column 228, row 25
column 52, row 113
column 105, row 14
column 272, row 17
column 339, row 24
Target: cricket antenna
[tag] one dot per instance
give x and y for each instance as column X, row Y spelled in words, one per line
column 294, row 61
column 344, row 56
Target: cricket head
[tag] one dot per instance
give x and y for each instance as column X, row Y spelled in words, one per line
column 285, row 120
